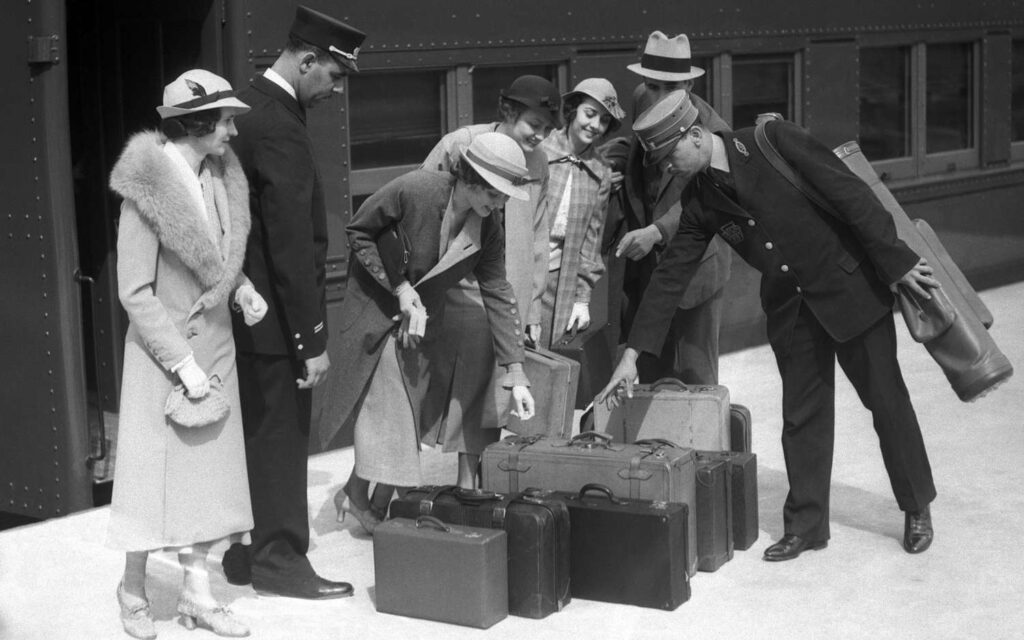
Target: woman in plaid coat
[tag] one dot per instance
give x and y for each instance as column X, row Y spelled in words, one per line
column 577, row 200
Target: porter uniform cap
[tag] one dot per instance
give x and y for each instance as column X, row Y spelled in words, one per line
column 537, row 93
column 666, row 59
column 198, row 90
column 500, row 161
column 659, row 128
column 604, row 94
column 330, row 34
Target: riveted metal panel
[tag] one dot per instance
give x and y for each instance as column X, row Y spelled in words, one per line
column 996, row 94
column 831, row 90
column 43, row 469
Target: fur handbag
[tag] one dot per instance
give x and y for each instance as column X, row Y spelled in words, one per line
column 192, row 413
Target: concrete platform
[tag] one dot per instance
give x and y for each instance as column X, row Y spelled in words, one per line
column 57, row 580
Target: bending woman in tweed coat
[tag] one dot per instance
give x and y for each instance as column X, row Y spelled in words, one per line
column 180, row 245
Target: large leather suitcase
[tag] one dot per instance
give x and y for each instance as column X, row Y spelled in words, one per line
column 743, row 480
column 628, row 551
column 427, row 569
column 740, row 428
column 592, row 350
column 554, row 380
column 714, row 513
column 643, row 471
column 966, row 352
column 538, row 538
column 696, row 416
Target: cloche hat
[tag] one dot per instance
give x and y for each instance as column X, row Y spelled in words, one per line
column 666, row 59
column 659, row 128
column 198, row 90
column 500, row 161
column 536, row 93
column 603, row 93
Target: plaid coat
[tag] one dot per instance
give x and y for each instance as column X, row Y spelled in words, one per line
column 581, row 264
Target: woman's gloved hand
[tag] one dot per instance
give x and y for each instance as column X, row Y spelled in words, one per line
column 194, row 378
column 522, row 402
column 580, row 316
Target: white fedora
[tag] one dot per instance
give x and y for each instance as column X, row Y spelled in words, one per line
column 500, row 161
column 666, row 59
column 198, row 90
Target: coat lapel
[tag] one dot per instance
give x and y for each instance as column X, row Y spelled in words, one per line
column 465, row 244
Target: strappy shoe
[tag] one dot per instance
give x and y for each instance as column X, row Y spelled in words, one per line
column 135, row 616
column 368, row 520
column 218, row 619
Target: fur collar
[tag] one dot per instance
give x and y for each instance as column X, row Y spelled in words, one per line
column 145, row 175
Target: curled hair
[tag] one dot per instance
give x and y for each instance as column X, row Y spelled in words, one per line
column 510, row 110
column 569, row 106
column 196, row 124
column 299, row 47
column 467, row 174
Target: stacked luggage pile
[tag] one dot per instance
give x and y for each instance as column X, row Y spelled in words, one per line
column 665, row 486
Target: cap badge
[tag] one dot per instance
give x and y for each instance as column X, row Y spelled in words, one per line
column 741, row 147
column 350, row 56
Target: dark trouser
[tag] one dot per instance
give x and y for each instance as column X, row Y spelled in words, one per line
column 808, row 414
column 276, row 415
column 690, row 352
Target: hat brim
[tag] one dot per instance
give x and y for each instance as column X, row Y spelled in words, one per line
column 617, row 113
column 665, row 76
column 659, row 155
column 345, row 62
column 226, row 103
column 501, row 184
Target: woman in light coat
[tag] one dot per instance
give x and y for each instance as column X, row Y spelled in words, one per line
column 468, row 409
column 412, row 242
column 577, row 202
column 180, row 246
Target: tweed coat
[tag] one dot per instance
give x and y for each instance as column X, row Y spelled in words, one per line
column 471, row 379
column 175, row 486
column 416, row 203
column 840, row 269
column 581, row 265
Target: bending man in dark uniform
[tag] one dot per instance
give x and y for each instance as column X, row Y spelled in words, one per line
column 280, row 361
column 825, row 289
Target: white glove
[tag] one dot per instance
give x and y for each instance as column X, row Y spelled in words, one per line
column 253, row 306
column 522, row 402
column 580, row 316
column 194, row 378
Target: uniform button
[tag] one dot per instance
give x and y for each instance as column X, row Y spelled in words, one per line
column 516, row 322
column 799, row 290
column 516, row 332
column 374, row 268
column 299, row 347
column 751, row 223
column 298, row 335
column 514, row 311
column 381, row 276
column 769, row 246
column 784, row 268
column 511, row 300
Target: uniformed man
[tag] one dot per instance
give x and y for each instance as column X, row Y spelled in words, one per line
column 826, row 291
column 284, row 357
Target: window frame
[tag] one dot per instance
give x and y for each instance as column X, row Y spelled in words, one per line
column 1016, row 146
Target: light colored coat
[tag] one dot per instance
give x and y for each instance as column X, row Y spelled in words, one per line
column 175, row 486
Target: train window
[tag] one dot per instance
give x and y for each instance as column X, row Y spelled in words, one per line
column 885, row 102
column 395, row 118
column 761, row 84
column 1017, row 84
column 949, row 98
column 489, row 81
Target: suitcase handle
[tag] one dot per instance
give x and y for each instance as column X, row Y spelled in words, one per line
column 600, row 488
column 433, row 522
column 674, row 383
column 590, row 438
column 474, row 496
column 658, row 442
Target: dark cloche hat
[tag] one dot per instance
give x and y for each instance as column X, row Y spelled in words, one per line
column 659, row 128
column 328, row 33
column 537, row 93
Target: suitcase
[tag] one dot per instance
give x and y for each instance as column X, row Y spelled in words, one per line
column 740, row 428
column 743, row 476
column 628, row 551
column 648, row 471
column 554, row 380
column 538, row 539
column 592, row 350
column 694, row 416
column 714, row 513
column 427, row 569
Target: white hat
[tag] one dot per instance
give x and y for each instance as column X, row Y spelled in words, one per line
column 666, row 59
column 602, row 92
column 198, row 90
column 500, row 161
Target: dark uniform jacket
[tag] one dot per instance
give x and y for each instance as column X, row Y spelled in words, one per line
column 415, row 203
column 840, row 269
column 287, row 251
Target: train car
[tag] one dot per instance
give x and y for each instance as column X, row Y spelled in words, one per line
column 934, row 93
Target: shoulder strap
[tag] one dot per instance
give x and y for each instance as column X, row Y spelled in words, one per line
column 774, row 158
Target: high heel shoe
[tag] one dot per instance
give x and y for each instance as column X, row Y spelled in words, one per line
column 135, row 616
column 218, row 619
column 368, row 520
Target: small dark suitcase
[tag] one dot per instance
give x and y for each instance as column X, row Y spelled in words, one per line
column 739, row 428
column 538, row 538
column 554, row 380
column 591, row 349
column 714, row 513
column 743, row 474
column 427, row 569
column 628, row 551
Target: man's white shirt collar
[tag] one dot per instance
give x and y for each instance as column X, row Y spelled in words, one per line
column 276, row 78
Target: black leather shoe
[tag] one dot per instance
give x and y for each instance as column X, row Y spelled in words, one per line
column 312, row 588
column 236, row 564
column 917, row 531
column 790, row 547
